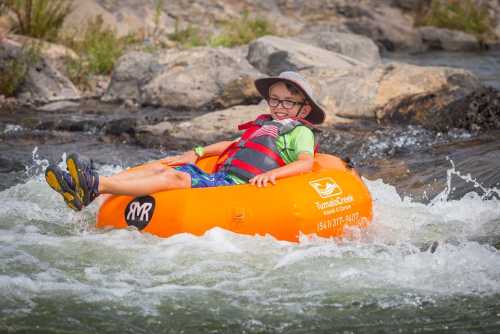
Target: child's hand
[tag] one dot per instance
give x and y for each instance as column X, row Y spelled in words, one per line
column 188, row 157
column 263, row 179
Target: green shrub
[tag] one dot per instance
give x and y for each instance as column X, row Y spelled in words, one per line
column 159, row 4
column 13, row 71
column 41, row 19
column 242, row 31
column 78, row 72
column 102, row 47
column 188, row 38
column 99, row 48
column 3, row 6
column 457, row 15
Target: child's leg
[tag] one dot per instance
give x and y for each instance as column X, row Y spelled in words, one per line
column 162, row 179
column 149, row 169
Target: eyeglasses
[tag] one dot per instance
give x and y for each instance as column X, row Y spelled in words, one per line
column 287, row 104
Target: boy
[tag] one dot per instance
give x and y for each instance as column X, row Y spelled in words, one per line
column 273, row 146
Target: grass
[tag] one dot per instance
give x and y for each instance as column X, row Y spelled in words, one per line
column 462, row 15
column 98, row 50
column 187, row 38
column 13, row 71
column 40, row 19
column 238, row 31
column 242, row 31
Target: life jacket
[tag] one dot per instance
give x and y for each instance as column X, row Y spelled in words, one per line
column 256, row 151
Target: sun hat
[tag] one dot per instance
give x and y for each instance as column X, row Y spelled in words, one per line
column 317, row 114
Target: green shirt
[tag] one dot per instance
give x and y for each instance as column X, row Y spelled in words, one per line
column 290, row 145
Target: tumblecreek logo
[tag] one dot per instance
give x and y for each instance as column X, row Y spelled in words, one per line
column 326, row 187
column 140, row 211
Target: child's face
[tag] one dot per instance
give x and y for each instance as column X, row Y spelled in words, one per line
column 284, row 104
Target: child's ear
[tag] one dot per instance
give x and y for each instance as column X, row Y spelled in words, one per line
column 306, row 110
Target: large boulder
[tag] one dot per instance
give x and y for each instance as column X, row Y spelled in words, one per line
column 449, row 40
column 354, row 46
column 131, row 73
column 363, row 92
column 125, row 17
column 497, row 30
column 391, row 28
column 42, row 83
column 209, row 128
column 443, row 110
column 273, row 55
column 195, row 79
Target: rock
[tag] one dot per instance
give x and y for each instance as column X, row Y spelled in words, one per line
column 192, row 79
column 389, row 27
column 411, row 5
column 120, row 126
column 445, row 110
column 132, row 71
column 273, row 55
column 354, row 46
column 158, row 135
column 43, row 83
column 449, row 40
column 363, row 92
column 208, row 128
column 58, row 106
column 218, row 125
column 84, row 11
column 497, row 31
column 480, row 110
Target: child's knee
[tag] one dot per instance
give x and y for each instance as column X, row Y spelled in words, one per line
column 159, row 168
column 176, row 179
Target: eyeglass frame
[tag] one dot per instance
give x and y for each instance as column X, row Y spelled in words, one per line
column 280, row 102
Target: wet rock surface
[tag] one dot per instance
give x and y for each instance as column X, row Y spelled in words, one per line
column 449, row 40
column 476, row 111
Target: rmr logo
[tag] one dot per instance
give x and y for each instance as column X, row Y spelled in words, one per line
column 140, row 211
column 326, row 187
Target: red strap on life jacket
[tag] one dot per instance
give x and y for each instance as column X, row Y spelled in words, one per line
column 250, row 128
column 265, row 150
column 249, row 168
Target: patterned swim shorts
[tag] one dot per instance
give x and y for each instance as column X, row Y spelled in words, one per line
column 200, row 179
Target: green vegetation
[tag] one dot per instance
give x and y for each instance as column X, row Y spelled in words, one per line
column 41, row 19
column 3, row 6
column 235, row 32
column 457, row 15
column 158, row 9
column 98, row 50
column 242, row 31
column 13, row 71
column 187, row 38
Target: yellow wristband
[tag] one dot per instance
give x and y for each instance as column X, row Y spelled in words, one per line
column 199, row 150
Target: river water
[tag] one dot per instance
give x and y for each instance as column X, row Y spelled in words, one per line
column 427, row 263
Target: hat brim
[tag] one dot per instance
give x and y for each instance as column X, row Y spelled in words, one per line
column 317, row 114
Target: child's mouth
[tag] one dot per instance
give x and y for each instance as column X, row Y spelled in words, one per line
column 280, row 115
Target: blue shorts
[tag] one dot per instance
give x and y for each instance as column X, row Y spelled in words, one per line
column 200, row 179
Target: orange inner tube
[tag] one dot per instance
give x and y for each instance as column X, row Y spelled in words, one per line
column 322, row 202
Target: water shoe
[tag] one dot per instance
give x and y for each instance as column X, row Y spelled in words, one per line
column 84, row 176
column 61, row 182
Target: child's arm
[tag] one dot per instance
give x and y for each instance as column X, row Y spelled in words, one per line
column 190, row 157
column 303, row 164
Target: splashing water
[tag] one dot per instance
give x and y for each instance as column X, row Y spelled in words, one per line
column 58, row 272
